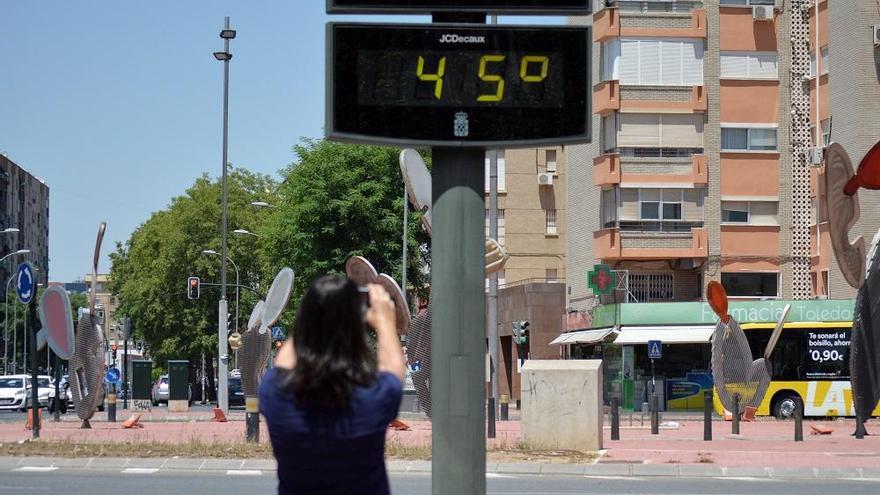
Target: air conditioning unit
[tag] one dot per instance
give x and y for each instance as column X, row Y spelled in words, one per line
column 815, row 156
column 545, row 179
column 762, row 12
column 876, row 34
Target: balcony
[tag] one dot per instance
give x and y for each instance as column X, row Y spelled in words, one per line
column 610, row 96
column 614, row 168
column 651, row 241
column 640, row 19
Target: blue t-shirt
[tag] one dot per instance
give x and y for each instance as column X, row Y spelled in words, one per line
column 329, row 453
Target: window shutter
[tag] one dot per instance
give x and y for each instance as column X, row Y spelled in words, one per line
column 671, row 53
column 734, row 65
column 649, row 62
column 681, row 130
column 692, row 63
column 639, row 130
column 629, row 204
column 763, row 66
column 764, row 213
column 629, row 62
column 610, row 60
column 609, row 132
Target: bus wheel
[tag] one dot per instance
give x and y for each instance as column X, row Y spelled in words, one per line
column 786, row 406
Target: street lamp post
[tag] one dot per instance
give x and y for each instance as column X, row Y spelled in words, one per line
column 6, row 313
column 237, row 285
column 222, row 345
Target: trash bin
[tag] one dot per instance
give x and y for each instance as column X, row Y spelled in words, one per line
column 141, row 379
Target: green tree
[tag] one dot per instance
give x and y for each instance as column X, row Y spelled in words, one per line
column 150, row 270
column 337, row 201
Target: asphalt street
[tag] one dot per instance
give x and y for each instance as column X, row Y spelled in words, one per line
column 112, row 482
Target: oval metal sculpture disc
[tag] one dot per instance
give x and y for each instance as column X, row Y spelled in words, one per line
column 86, row 368
column 843, row 213
column 417, row 180
column 256, row 319
column 57, row 320
column 360, row 271
column 734, row 370
column 400, row 305
column 277, row 297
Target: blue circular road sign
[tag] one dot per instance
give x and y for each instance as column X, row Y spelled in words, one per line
column 112, row 375
column 25, row 283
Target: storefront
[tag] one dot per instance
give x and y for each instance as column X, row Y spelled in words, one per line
column 620, row 334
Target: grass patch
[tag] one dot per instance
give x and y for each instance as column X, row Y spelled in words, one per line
column 193, row 448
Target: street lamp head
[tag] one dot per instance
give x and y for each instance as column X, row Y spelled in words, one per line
column 23, row 251
column 209, row 251
column 223, row 56
column 227, row 34
column 261, row 204
column 10, row 230
column 244, row 232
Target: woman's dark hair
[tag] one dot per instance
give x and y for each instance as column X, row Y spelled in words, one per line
column 332, row 352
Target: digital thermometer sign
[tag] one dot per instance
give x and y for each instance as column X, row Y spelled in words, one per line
column 458, row 84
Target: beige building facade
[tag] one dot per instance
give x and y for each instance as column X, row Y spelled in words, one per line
column 107, row 302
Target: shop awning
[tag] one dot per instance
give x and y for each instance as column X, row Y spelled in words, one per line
column 670, row 334
column 582, row 336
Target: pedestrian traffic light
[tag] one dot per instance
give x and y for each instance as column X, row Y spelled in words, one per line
column 192, row 287
column 229, row 323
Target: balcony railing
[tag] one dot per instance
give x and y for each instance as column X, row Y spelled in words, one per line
column 670, row 6
column 659, row 152
column 669, row 226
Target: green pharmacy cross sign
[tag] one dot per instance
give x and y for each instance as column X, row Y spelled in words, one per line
column 602, row 279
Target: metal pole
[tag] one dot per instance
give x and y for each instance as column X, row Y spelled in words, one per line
column 707, row 415
column 222, row 344
column 125, row 386
column 14, row 338
column 58, row 398
column 6, row 328
column 798, row 420
column 655, row 415
column 504, row 406
column 35, row 384
column 405, row 245
column 615, row 418
column 735, row 422
column 458, row 381
column 492, row 307
column 490, row 417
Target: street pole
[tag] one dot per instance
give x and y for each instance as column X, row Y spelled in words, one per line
column 35, row 384
column 125, row 386
column 458, row 382
column 222, row 344
column 492, row 308
column 6, row 328
column 404, row 260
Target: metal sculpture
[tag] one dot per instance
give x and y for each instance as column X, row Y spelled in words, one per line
column 734, row 371
column 417, row 180
column 360, row 271
column 87, row 364
column 842, row 204
column 57, row 322
column 256, row 340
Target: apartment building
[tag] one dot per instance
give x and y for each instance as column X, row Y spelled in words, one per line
column 105, row 301
column 854, row 94
column 697, row 172
column 24, row 205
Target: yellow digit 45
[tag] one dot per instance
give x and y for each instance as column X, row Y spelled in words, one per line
column 437, row 77
column 499, row 90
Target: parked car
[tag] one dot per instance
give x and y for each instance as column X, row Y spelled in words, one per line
column 13, row 392
column 236, row 393
column 161, row 393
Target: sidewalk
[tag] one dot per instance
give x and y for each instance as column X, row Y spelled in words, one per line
column 678, row 449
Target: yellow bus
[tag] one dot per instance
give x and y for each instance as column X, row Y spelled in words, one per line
column 810, row 362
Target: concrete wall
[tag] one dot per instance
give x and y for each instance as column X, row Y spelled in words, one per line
column 562, row 405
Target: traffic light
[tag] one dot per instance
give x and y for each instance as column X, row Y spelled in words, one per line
column 192, row 287
column 521, row 332
column 229, row 322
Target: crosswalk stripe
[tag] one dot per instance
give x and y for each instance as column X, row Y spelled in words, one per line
column 244, row 472
column 36, row 469
column 139, row 470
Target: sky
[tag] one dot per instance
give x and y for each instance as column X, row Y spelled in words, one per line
column 117, row 106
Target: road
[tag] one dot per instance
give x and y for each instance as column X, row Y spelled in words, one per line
column 113, row 482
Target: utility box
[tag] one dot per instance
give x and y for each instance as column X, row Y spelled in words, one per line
column 562, row 404
column 141, row 379
column 178, row 386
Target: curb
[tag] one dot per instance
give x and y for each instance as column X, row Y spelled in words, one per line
column 424, row 467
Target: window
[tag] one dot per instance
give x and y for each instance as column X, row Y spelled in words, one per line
column 653, row 62
column 502, row 186
column 651, row 130
column 609, row 133
column 550, row 160
column 749, row 65
column 551, row 275
column 824, row 61
column 826, row 133
column 550, row 221
column 649, row 287
column 750, row 212
column 609, row 208
column 500, row 238
column 748, row 138
column 660, row 204
column 751, row 284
